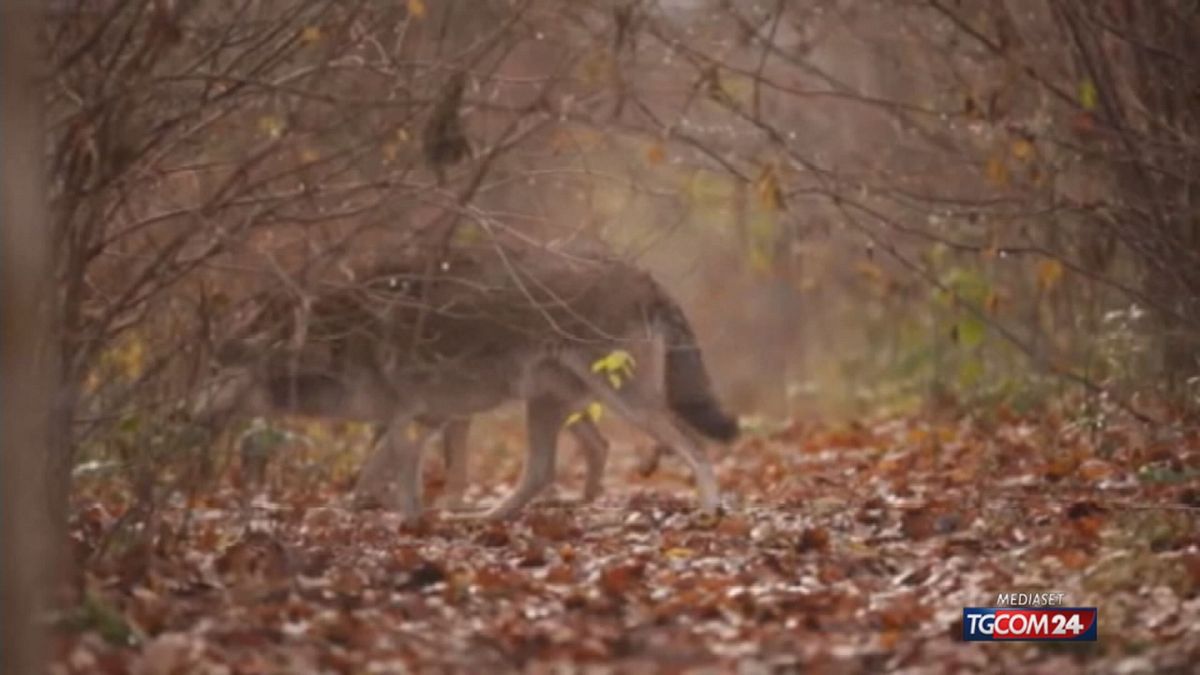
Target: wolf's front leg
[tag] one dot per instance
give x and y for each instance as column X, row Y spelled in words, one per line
column 544, row 418
column 454, row 452
column 391, row 477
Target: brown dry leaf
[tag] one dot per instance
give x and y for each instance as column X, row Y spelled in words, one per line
column 918, row 524
column 734, row 526
column 996, row 171
column 813, row 539
column 620, row 579
column 767, row 188
column 494, row 579
column 991, row 304
column 1084, row 123
column 1088, row 528
column 1073, row 559
column 1191, row 563
column 494, row 536
column 169, row 654
column 1022, row 149
column 1049, row 274
column 656, row 154
column 553, row 525
column 1095, row 470
column 561, row 574
column 904, row 612
column 310, row 34
column 1061, row 466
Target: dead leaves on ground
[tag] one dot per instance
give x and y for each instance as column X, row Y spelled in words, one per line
column 847, row 549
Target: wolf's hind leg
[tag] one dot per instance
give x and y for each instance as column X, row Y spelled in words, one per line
column 391, row 476
column 594, row 447
column 544, row 417
column 650, row 414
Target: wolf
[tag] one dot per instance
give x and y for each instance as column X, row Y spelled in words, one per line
column 560, row 329
column 258, row 444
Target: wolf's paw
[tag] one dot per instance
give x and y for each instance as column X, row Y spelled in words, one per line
column 471, row 514
column 362, row 500
column 454, row 503
column 591, row 493
column 501, row 512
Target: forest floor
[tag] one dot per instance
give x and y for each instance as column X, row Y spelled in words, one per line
column 842, row 550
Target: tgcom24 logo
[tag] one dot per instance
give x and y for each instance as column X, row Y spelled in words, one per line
column 1006, row 624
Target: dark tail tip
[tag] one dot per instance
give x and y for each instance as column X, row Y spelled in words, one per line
column 709, row 420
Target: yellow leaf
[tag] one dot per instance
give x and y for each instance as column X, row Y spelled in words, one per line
column 417, row 9
column 270, row 125
column 760, row 260
column 997, row 171
column 766, row 187
column 594, row 411
column 310, row 34
column 737, row 88
column 615, row 366
column 308, row 155
column 616, row 361
column 468, row 234
column 413, row 432
column 679, row 553
column 1022, row 149
column 1049, row 273
column 128, row 359
column 656, row 154
column 1087, row 94
column 597, row 68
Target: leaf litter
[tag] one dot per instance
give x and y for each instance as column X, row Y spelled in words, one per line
column 842, row 549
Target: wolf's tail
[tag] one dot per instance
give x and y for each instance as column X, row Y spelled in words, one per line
column 689, row 391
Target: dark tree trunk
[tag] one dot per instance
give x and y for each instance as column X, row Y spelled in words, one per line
column 29, row 536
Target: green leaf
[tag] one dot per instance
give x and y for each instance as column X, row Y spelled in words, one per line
column 970, row 332
column 970, row 372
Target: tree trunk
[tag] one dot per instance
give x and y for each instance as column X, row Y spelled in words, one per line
column 30, row 540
